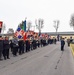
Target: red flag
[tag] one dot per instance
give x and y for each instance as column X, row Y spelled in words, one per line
column 31, row 32
column 1, row 26
column 24, row 36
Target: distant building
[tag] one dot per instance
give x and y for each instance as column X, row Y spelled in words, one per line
column 10, row 31
column 61, row 34
column 52, row 34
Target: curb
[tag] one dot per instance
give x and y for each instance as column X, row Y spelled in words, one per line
column 72, row 49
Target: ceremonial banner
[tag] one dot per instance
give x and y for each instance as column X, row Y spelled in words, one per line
column 19, row 33
column 24, row 36
column 24, row 25
column 31, row 32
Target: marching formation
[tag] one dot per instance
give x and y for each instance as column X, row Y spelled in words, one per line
column 19, row 46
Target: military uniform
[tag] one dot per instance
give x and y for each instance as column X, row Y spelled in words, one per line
column 1, row 47
column 62, row 44
column 27, row 45
column 21, row 46
column 6, row 48
column 15, row 46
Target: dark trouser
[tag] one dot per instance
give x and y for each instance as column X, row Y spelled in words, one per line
column 0, row 54
column 21, row 49
column 15, row 50
column 31, row 46
column 6, row 53
column 62, row 48
column 27, row 47
column 68, row 44
column 38, row 44
column 34, row 46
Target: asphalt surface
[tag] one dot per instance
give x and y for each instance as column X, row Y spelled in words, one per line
column 48, row 60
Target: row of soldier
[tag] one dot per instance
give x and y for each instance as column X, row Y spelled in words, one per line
column 19, row 46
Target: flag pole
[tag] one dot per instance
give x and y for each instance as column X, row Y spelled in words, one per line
column 25, row 24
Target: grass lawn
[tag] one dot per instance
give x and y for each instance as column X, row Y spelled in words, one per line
column 72, row 48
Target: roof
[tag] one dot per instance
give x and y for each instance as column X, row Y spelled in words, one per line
column 49, row 33
column 59, row 33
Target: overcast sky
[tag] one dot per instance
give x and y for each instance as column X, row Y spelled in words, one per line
column 12, row 12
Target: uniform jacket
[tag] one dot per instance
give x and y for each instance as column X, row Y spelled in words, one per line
column 15, row 42
column 21, row 43
column 6, row 44
column 62, row 42
column 1, row 44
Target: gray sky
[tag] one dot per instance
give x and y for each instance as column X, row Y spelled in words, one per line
column 12, row 12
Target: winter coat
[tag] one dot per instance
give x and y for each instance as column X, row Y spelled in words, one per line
column 62, row 42
column 6, row 44
column 1, row 44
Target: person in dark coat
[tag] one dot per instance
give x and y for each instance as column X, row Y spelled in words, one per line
column 62, row 44
column 54, row 40
column 71, row 39
column 41, row 42
column 68, row 42
column 31, row 42
column 34, row 44
column 11, row 45
column 15, row 45
column 1, row 47
column 27, row 42
column 21, row 46
column 6, row 48
column 44, row 42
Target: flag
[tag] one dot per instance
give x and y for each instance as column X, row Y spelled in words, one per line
column 42, row 35
column 24, row 24
column 1, row 23
column 24, row 36
column 28, row 33
column 32, row 32
column 22, row 27
column 19, row 33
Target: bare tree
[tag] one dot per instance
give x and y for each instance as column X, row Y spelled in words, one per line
column 39, row 24
column 29, row 25
column 56, row 25
column 72, row 21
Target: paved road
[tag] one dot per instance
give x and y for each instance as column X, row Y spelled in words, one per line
column 49, row 60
